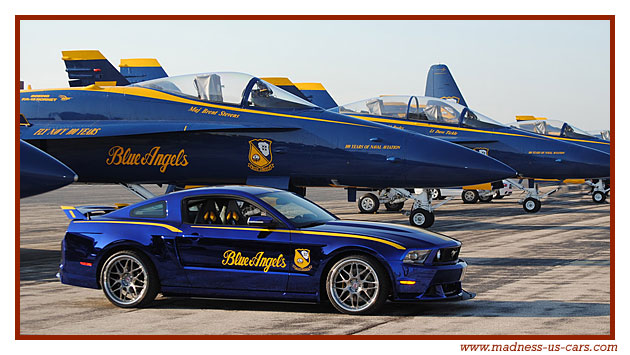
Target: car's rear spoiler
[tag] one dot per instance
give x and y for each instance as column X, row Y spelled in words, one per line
column 86, row 212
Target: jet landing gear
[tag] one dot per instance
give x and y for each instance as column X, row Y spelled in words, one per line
column 599, row 191
column 531, row 203
column 421, row 215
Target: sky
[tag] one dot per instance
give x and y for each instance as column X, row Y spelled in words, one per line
column 554, row 69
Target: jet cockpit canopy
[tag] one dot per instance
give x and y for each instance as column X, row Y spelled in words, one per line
column 552, row 128
column 419, row 108
column 228, row 88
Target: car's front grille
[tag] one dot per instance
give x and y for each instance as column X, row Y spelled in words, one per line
column 444, row 290
column 446, row 255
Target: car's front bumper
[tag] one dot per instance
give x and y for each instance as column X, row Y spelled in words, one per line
column 430, row 282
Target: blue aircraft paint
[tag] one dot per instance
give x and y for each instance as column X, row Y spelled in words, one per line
column 40, row 172
column 440, row 84
column 141, row 134
column 531, row 155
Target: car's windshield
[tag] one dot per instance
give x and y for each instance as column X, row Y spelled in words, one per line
column 300, row 212
column 228, row 88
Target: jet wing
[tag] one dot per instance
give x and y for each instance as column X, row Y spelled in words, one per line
column 92, row 129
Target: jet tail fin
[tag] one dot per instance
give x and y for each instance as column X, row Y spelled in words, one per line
column 286, row 84
column 441, row 84
column 136, row 70
column 87, row 67
column 317, row 94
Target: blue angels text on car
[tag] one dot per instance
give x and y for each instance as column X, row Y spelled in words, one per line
column 256, row 243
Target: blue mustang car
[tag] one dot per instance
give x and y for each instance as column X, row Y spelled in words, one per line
column 254, row 243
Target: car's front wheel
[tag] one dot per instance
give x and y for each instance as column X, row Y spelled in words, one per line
column 357, row 284
column 129, row 279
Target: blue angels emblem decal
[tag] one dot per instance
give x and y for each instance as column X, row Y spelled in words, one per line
column 260, row 158
column 302, row 260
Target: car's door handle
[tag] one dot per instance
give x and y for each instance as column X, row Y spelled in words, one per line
column 194, row 237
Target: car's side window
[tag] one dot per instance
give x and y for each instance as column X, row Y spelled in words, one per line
column 219, row 211
column 152, row 210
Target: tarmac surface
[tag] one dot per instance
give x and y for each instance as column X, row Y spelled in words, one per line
column 543, row 273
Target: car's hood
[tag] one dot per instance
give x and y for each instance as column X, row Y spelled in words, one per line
column 408, row 237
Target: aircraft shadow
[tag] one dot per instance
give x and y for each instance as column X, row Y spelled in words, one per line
column 38, row 264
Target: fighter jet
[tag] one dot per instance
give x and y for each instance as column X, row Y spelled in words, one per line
column 531, row 155
column 440, row 83
column 225, row 128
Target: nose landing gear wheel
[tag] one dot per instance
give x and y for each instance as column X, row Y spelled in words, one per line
column 470, row 196
column 421, row 218
column 394, row 206
column 531, row 205
column 368, row 203
column 599, row 197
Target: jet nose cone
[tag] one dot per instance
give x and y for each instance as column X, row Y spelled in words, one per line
column 40, row 172
column 453, row 165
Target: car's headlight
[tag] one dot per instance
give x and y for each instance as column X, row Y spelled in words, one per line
column 416, row 256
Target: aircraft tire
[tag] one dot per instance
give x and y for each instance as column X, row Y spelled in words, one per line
column 470, row 196
column 599, row 197
column 531, row 205
column 421, row 218
column 369, row 203
column 436, row 194
column 394, row 206
column 485, row 199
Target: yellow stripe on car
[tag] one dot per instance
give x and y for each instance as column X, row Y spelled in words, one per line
column 169, row 227
column 329, row 234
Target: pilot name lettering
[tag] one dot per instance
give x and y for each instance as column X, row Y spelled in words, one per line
column 211, row 112
column 121, row 156
column 233, row 258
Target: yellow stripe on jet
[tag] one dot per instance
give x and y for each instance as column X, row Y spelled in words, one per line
column 329, row 234
column 279, row 81
column 310, row 86
column 82, row 55
column 139, row 62
column 169, row 227
column 158, row 95
column 410, row 123
column 578, row 140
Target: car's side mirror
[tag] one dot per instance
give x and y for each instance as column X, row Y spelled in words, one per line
column 262, row 221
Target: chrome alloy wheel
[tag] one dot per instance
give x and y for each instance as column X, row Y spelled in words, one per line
column 125, row 279
column 354, row 285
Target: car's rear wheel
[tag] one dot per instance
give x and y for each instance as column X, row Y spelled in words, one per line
column 129, row 279
column 357, row 284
